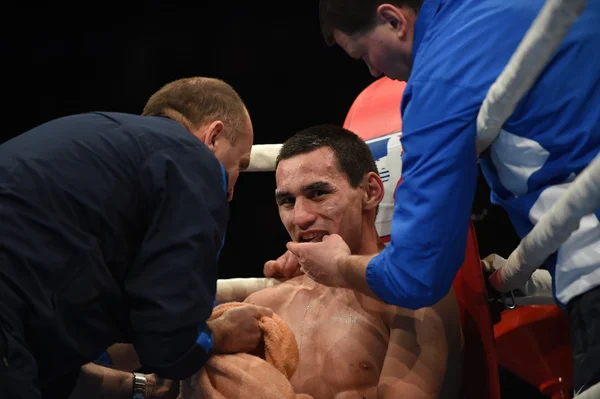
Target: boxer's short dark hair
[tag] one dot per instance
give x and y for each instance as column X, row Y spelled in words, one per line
column 353, row 155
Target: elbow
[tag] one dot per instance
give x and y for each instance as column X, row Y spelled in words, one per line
column 414, row 284
column 426, row 299
column 410, row 293
column 431, row 293
column 417, row 299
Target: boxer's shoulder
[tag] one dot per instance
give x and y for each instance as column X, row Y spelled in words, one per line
column 273, row 297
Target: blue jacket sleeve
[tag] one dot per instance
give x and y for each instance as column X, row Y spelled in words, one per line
column 433, row 202
column 171, row 285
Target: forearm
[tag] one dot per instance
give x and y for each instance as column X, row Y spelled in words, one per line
column 123, row 357
column 97, row 382
column 354, row 268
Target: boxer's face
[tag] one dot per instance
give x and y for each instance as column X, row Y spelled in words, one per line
column 315, row 198
column 387, row 48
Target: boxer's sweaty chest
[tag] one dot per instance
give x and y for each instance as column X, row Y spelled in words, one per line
column 341, row 336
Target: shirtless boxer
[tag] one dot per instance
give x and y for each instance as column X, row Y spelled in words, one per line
column 353, row 346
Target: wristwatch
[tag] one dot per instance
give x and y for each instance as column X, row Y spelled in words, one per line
column 139, row 386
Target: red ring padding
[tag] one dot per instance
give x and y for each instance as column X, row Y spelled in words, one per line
column 534, row 342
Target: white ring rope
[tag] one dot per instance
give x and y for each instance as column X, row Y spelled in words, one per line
column 238, row 289
column 554, row 228
column 537, row 290
column 533, row 53
column 583, row 197
column 262, row 157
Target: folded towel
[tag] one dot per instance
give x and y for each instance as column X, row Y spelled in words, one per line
column 262, row 375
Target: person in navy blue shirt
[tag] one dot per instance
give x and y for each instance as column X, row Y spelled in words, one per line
column 111, row 228
column 450, row 52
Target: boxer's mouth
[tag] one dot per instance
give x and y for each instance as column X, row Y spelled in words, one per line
column 312, row 236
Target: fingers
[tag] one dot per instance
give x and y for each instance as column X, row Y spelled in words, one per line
column 291, row 265
column 285, row 266
column 497, row 282
column 260, row 311
column 487, row 266
column 277, row 268
column 271, row 269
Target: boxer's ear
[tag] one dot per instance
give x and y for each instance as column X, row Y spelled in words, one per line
column 373, row 187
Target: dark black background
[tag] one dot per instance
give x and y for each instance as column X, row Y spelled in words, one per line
column 70, row 58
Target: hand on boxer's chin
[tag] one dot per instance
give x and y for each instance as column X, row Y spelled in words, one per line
column 286, row 266
column 321, row 261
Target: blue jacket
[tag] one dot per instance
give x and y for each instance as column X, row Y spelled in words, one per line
column 460, row 48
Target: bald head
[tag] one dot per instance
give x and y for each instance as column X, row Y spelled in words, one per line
column 198, row 101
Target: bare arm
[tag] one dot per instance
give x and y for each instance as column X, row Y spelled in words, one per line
column 123, row 357
column 98, row 382
column 424, row 356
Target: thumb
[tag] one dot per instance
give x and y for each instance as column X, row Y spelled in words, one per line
column 294, row 247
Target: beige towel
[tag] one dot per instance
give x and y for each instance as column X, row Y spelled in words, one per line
column 263, row 375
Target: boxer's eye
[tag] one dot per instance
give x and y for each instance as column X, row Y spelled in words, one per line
column 318, row 193
column 285, row 201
